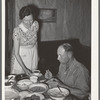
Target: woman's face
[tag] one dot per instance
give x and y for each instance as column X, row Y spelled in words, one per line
column 28, row 21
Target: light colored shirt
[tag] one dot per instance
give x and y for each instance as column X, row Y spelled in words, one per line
column 75, row 75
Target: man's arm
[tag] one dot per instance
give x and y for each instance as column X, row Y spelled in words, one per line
column 81, row 87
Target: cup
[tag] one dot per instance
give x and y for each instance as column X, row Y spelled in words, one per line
column 34, row 79
column 36, row 72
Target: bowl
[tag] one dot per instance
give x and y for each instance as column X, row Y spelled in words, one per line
column 23, row 84
column 9, row 84
column 12, row 76
column 38, row 87
column 56, row 94
column 34, row 79
column 21, row 77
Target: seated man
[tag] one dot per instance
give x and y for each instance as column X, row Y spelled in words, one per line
column 72, row 74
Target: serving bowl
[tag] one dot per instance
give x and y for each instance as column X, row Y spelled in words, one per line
column 21, row 77
column 58, row 94
column 23, row 84
column 38, row 87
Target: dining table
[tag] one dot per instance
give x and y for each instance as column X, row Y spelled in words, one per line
column 41, row 79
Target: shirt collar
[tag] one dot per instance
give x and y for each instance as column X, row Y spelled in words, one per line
column 69, row 64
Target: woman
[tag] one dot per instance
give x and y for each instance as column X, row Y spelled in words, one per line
column 25, row 54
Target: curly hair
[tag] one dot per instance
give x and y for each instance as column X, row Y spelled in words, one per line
column 25, row 11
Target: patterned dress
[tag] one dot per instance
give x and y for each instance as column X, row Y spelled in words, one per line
column 28, row 48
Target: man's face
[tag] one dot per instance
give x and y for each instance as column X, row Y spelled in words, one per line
column 63, row 56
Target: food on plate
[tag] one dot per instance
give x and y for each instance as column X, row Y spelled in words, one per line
column 55, row 93
column 23, row 84
column 37, row 89
column 33, row 97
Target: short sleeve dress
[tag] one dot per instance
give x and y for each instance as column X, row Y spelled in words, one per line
column 28, row 48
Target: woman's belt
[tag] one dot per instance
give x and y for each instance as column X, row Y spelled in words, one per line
column 28, row 46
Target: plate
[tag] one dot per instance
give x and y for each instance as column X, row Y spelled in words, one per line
column 11, row 94
column 36, row 94
column 55, row 93
column 38, row 87
column 23, row 84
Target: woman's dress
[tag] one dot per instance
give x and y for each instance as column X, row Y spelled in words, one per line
column 27, row 49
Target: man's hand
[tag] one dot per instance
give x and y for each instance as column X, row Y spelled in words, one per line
column 48, row 74
column 53, row 82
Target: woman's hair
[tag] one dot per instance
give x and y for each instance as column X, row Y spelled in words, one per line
column 25, row 11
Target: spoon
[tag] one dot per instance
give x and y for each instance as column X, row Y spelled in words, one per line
column 60, row 90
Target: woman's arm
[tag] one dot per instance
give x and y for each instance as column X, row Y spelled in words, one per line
column 17, row 55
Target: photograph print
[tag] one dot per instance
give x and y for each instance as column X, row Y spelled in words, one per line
column 47, row 50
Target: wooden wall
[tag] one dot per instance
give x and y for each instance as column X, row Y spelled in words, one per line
column 73, row 19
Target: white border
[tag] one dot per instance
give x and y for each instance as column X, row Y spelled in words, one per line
column 3, row 49
column 95, row 54
column 94, row 41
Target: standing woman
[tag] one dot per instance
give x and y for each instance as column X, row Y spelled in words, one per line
column 25, row 54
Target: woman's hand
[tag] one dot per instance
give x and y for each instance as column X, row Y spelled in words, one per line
column 48, row 74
